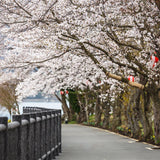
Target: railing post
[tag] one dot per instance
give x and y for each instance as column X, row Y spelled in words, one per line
column 18, row 118
column 34, row 143
column 56, row 133
column 27, row 117
column 24, row 110
column 49, row 134
column 60, row 134
column 44, row 133
column 44, row 117
column 40, row 145
column 53, row 134
column 4, row 121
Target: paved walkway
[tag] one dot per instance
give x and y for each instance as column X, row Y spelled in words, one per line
column 88, row 143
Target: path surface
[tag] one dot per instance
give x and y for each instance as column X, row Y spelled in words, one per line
column 87, row 143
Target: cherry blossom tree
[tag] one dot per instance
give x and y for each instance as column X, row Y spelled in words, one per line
column 68, row 42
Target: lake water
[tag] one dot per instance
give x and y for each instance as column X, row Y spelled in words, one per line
column 50, row 105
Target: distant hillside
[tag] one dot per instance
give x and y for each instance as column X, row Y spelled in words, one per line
column 41, row 98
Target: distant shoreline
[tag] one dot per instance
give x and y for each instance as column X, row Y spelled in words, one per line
column 40, row 100
column 54, row 104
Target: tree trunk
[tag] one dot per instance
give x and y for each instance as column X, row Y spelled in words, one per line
column 129, row 117
column 146, row 115
column 157, row 122
column 157, row 3
column 98, row 112
column 106, row 116
column 87, row 107
column 136, row 116
column 82, row 114
column 133, row 113
column 156, row 110
column 65, row 107
column 116, row 115
column 72, row 113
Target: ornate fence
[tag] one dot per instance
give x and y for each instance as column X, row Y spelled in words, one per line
column 34, row 135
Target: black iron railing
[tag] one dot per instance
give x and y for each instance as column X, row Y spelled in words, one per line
column 34, row 135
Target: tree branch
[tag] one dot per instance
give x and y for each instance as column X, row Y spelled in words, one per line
column 58, row 97
column 119, row 63
column 22, row 8
column 37, row 62
column 42, row 18
column 108, row 74
column 122, row 44
column 157, row 2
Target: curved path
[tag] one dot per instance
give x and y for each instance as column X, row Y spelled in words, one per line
column 88, row 143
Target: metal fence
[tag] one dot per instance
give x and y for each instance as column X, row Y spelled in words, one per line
column 34, row 135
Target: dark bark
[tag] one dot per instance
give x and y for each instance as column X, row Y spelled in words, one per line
column 145, row 111
column 82, row 113
column 66, row 111
column 87, row 106
column 157, row 3
column 72, row 113
column 133, row 113
column 106, row 111
column 98, row 111
column 155, row 93
column 65, row 106
column 157, row 122
column 116, row 114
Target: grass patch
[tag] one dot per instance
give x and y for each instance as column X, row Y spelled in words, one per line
column 72, row 122
column 92, row 118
